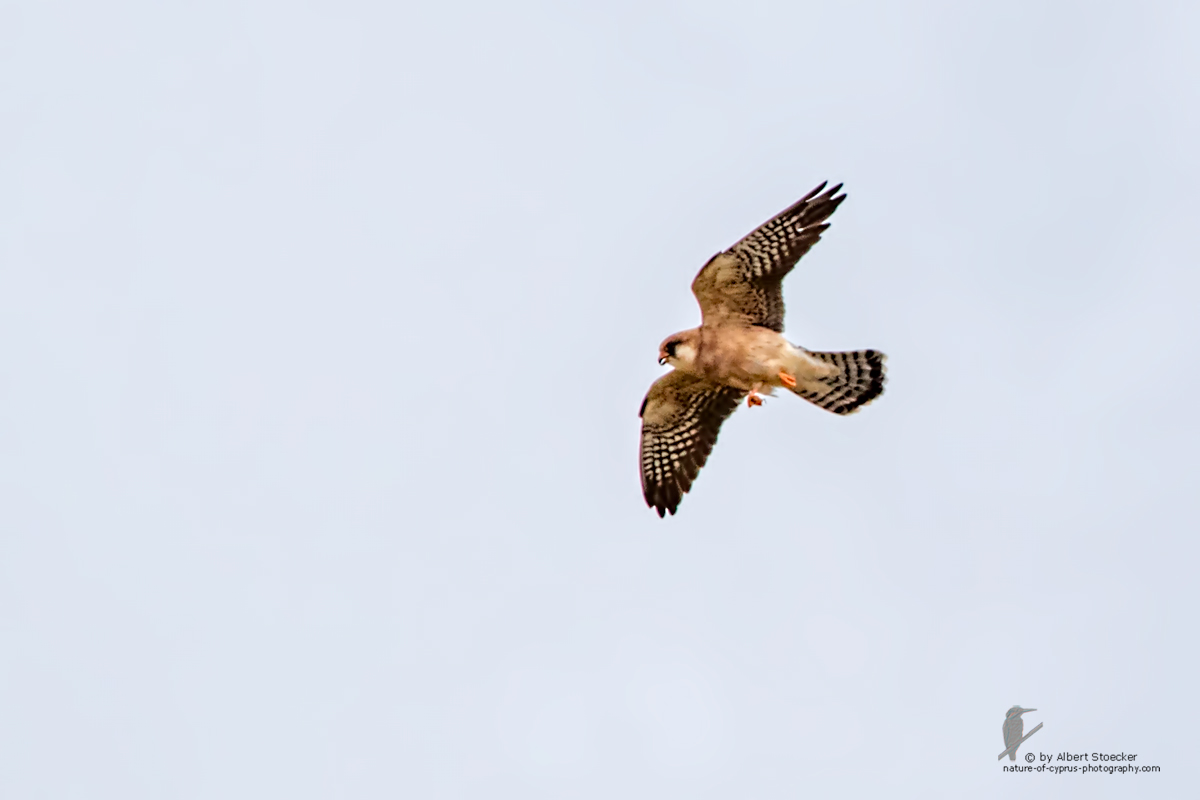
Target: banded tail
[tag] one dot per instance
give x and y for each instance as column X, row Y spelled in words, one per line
column 859, row 381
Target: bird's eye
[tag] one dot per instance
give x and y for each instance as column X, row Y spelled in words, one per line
column 671, row 348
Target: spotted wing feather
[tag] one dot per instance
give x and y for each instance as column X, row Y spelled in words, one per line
column 744, row 283
column 681, row 417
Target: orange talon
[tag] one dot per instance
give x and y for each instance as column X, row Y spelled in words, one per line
column 753, row 399
column 788, row 380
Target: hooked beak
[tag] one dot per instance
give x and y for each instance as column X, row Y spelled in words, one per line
column 662, row 359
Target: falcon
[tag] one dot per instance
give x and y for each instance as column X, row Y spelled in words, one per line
column 739, row 352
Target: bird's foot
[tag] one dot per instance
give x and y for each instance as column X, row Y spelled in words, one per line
column 753, row 399
column 788, row 380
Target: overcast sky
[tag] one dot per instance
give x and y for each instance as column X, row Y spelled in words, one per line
column 323, row 331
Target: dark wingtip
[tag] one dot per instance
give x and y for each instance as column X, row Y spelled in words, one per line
column 813, row 193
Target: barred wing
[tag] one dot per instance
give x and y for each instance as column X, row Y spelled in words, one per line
column 744, row 283
column 681, row 417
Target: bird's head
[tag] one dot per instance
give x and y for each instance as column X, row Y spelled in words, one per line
column 679, row 349
column 1017, row 711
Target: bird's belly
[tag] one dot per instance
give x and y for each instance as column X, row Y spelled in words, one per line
column 749, row 359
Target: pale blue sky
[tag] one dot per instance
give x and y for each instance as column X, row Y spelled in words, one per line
column 323, row 330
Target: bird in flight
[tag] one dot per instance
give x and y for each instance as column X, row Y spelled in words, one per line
column 739, row 352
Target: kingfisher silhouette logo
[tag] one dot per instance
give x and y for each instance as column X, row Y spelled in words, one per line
column 1013, row 727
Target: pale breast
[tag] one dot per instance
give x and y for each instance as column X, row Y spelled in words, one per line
column 741, row 356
